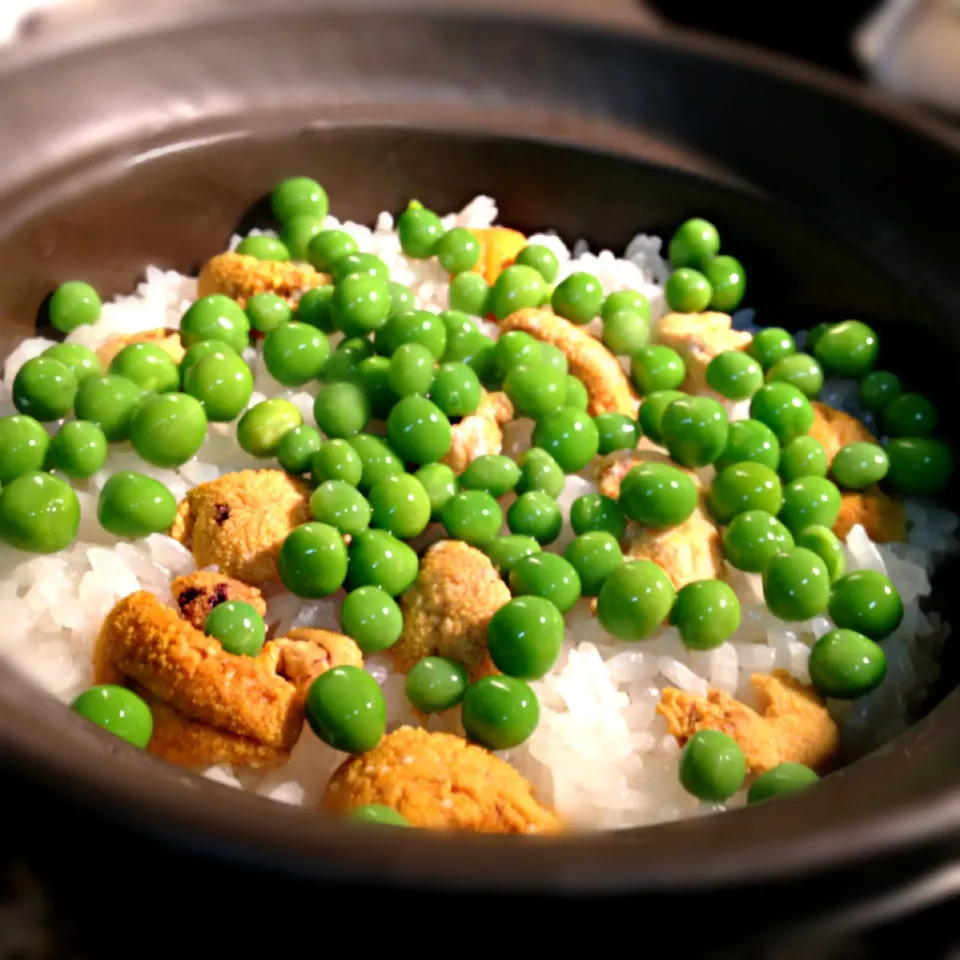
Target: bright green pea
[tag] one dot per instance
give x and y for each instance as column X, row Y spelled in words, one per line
column 554, row 357
column 495, row 473
column 377, row 459
column 877, row 389
column 525, row 635
column 742, row 487
column 712, row 766
column 784, row 409
column 626, row 332
column 753, row 539
column 734, row 375
column 783, row 780
column 297, row 232
column 134, row 505
column 411, row 370
column 749, row 440
column 652, row 410
column 263, row 247
column 457, row 250
column 372, row 375
column 535, row 389
column 472, row 516
column 117, row 710
column 420, row 230
column 299, row 197
column 458, row 323
column 500, row 712
column 918, row 465
column 295, row 353
column 39, row 513
column 688, row 291
column 336, row 460
column 265, row 424
column 658, row 495
column 796, row 585
column 594, row 512
column 516, row 347
column 440, row 484
column 371, row 616
column 346, row 710
column 379, row 814
column 200, row 351
column 313, row 560
column 435, row 684
column 238, row 627
column 868, row 602
column 400, row 505
column 456, row 389
column 470, row 293
column 594, row 555
column 539, row 471
column 360, row 304
column 267, row 311
column 418, row 430
column 222, row 384
column 657, row 368
column 801, row 371
column 329, row 246
column 826, row 545
column 167, row 429
column 632, row 301
column 578, row 298
column 859, row 465
column 617, row 431
column 402, row 299
column 577, row 396
column 537, row 515
column 341, row 410
column 315, row 308
column 361, row 264
column 541, row 258
column 707, row 614
column 695, row 242
column 570, row 436
column 809, row 502
column 847, row 349
column 770, row 345
column 23, row 446
column 802, row 457
column 417, row 326
column 815, row 333
column 148, row 366
column 79, row 449
column 215, row 317
column 80, row 359
column 547, row 576
column 695, row 430
column 517, row 287
column 728, row 282
column 378, row 559
column 341, row 506
column 909, row 415
column 506, row 552
column 44, row 389
column 634, row 600
column 845, row 664
column 296, row 450
column 74, row 304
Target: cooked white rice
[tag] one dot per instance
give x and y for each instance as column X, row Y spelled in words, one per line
column 601, row 754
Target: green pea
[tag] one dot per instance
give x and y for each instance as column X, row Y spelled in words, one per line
column 712, row 766
column 802, row 457
column 470, row 293
column 570, row 436
column 313, row 560
column 707, row 614
column 695, row 242
column 134, row 505
column 267, row 311
column 688, row 291
column 749, row 440
column 516, row 288
column 402, row 299
column 548, row 576
column 859, row 465
column 815, row 333
column 299, row 197
column 23, row 446
column 783, row 780
column 400, row 505
column 626, row 332
column 495, row 473
column 506, row 552
column 458, row 323
column 616, row 431
column 472, row 516
column 336, row 460
column 877, row 389
column 784, row 409
column 346, row 710
column 222, row 384
column 734, row 375
column 809, row 502
column 295, row 353
column 753, row 539
column 265, row 424
column 79, row 449
column 909, row 415
column 117, row 710
column 742, row 487
column 341, row 410
column 148, row 366
column 516, row 347
column 297, row 232
column 74, row 304
column 371, row 616
column 296, row 449
column 634, row 600
column 577, row 396
column 411, row 370
column 826, row 545
column 39, row 513
column 632, row 301
column 578, row 298
column 238, row 627
column 360, row 304
column 435, row 684
column 329, row 246
column 481, row 358
column 540, row 472
column 420, row 230
column 537, row 515
column 417, row 326
column 594, row 555
column 535, row 389
column 377, row 459
column 918, row 465
column 378, row 559
column 525, row 635
column 728, row 282
column 847, row 349
column 594, row 512
column 770, row 345
column 657, row 368
column 499, row 712
column 80, row 359
column 456, row 389
column 44, row 389
column 341, row 506
column 440, row 484
column 801, row 371
column 200, row 351
column 457, row 250
column 554, row 357
column 796, row 585
column 845, row 664
column 167, row 429
column 658, row 495
column 418, row 430
column 263, row 247
column 541, row 258
column 373, row 378
column 379, row 814
column 868, row 602
column 215, row 317
column 652, row 409
column 695, row 430
column 361, row 264
column 315, row 308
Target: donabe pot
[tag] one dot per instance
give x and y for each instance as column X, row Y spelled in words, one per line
column 149, row 140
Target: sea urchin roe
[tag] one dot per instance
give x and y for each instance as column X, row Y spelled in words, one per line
column 235, row 278
column 197, row 594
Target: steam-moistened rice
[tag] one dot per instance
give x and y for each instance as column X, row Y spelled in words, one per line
column 600, row 754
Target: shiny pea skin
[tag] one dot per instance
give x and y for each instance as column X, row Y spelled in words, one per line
column 500, row 712
column 341, row 410
column 626, row 332
column 694, row 243
column 265, row 424
column 363, row 264
column 536, row 515
column 457, row 250
column 783, row 780
column 456, row 389
column 526, row 634
column 577, row 396
column 117, row 710
column 859, row 465
column 688, row 291
column 570, row 436
column 39, row 513
column 548, row 576
column 595, row 512
column 517, row 287
column 148, row 366
column 909, row 415
column 695, row 430
column 742, row 487
column 340, row 506
column 315, row 308
column 784, row 409
column 658, row 495
column 215, row 317
column 470, row 293
column 505, row 552
column 360, row 304
column 346, row 710
column 299, row 197
column 770, row 345
column 313, row 560
column 134, row 505
column 877, row 389
column 796, row 585
column 734, row 375
column 23, row 446
column 200, row 351
column 808, row 502
column 297, row 233
column 577, row 298
column 621, row 300
column 336, row 460
column 657, row 368
column 801, row 371
column 401, row 298
column 222, row 384
column 554, row 357
column 472, row 516
column 379, row 814
column 845, row 664
column 868, row 602
column 918, row 465
column 706, row 613
column 753, row 538
column 420, row 230
column 516, row 347
column 594, row 555
column 167, row 429
column 617, row 431
column 263, row 247
column 372, row 377
column 238, row 626
column 826, row 545
column 44, row 389
column 539, row 471
column 418, row 430
column 74, row 304
column 411, row 370
column 79, row 449
column 541, row 258
column 377, row 459
column 296, row 449
column 495, row 473
column 80, row 359
column 325, row 248
column 712, row 766
column 294, row 353
column 440, row 484
column 652, row 410
column 400, row 505
column 634, row 600
column 750, row 440
column 728, row 282
column 535, row 389
column 379, row 559
column 372, row 618
column 847, row 349
column 802, row 457
column 435, row 684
